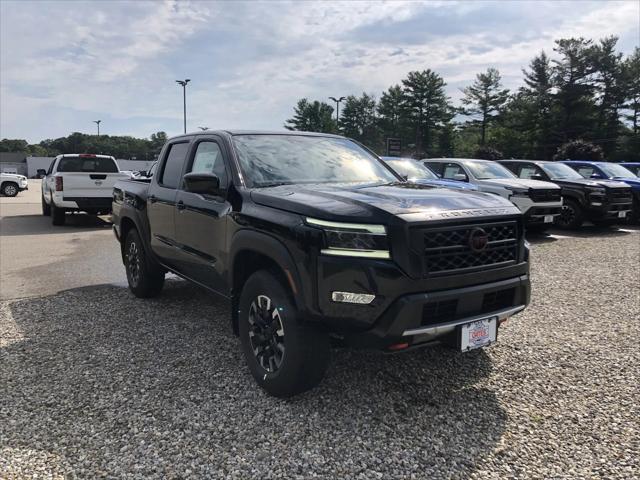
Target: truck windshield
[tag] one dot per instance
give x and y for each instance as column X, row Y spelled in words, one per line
column 560, row 171
column 615, row 170
column 268, row 160
column 489, row 170
column 411, row 169
column 87, row 164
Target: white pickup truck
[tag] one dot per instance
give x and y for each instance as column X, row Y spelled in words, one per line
column 79, row 182
column 12, row 183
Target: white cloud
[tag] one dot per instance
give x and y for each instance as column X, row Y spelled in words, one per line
column 63, row 63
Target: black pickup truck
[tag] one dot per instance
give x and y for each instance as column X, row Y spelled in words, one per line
column 311, row 236
column 603, row 202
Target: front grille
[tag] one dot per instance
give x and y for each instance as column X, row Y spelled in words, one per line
column 439, row 312
column 443, row 311
column 544, row 194
column 448, row 249
column 620, row 195
column 497, row 300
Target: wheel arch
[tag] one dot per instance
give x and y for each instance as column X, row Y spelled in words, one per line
column 253, row 251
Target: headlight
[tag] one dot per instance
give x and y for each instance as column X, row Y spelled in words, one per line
column 353, row 239
column 519, row 192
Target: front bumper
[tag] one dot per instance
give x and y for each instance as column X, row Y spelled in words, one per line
column 424, row 318
column 541, row 215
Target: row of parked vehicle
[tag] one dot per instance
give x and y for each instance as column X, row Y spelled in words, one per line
column 564, row 194
column 312, row 237
column 12, row 183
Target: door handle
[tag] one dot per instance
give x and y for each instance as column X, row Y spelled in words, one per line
column 152, row 199
column 181, row 205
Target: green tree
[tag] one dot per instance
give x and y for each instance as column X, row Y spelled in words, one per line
column 426, row 107
column 579, row 150
column 485, row 99
column 13, row 145
column 572, row 79
column 535, row 107
column 312, row 117
column 631, row 71
column 488, row 153
column 358, row 119
column 608, row 81
column 390, row 111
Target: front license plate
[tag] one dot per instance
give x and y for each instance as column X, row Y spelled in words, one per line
column 478, row 334
column 622, row 214
column 548, row 219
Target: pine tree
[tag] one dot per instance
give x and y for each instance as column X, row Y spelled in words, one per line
column 485, row 98
column 312, row 117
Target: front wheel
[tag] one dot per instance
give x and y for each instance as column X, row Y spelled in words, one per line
column 571, row 215
column 144, row 276
column 284, row 356
column 10, row 189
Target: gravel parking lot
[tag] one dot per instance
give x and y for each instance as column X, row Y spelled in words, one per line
column 95, row 383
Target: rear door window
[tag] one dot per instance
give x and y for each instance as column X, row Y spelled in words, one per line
column 172, row 168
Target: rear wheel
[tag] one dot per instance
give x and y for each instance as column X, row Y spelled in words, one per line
column 58, row 215
column 10, row 189
column 285, row 356
column 571, row 215
column 46, row 208
column 144, row 276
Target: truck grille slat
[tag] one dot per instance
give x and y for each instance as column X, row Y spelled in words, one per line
column 447, row 249
column 545, row 195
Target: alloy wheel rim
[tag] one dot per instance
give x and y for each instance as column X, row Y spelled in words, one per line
column 133, row 262
column 266, row 333
column 567, row 215
column 10, row 190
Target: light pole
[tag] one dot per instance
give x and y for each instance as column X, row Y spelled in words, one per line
column 184, row 99
column 97, row 122
column 337, row 100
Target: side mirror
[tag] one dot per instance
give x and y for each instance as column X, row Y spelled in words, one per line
column 537, row 176
column 202, row 183
column 460, row 177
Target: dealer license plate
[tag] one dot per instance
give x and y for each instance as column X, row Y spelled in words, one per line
column 478, row 334
column 622, row 214
column 548, row 219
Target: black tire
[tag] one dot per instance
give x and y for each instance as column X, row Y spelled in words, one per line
column 292, row 357
column 46, row 208
column 10, row 189
column 571, row 215
column 58, row 215
column 144, row 275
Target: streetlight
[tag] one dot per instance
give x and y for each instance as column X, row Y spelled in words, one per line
column 183, row 83
column 97, row 122
column 203, row 128
column 337, row 100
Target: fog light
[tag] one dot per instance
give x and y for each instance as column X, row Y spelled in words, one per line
column 350, row 297
column 596, row 204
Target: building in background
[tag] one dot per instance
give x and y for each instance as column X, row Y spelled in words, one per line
column 13, row 162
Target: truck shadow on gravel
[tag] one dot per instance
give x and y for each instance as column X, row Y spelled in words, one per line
column 101, row 383
column 41, row 225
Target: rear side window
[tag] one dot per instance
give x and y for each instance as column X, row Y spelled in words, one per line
column 82, row 164
column 172, row 170
column 435, row 166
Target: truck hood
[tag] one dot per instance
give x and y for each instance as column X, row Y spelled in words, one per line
column 586, row 182
column 634, row 183
column 444, row 183
column 375, row 204
column 519, row 183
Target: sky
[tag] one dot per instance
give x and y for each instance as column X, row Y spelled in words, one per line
column 64, row 64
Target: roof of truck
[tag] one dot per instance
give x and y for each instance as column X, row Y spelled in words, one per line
column 258, row 132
